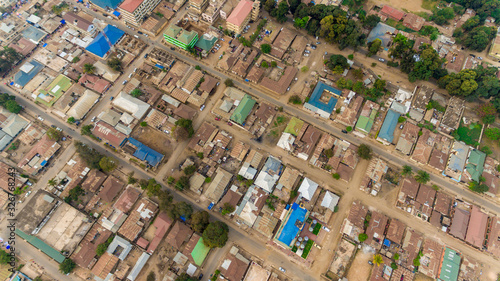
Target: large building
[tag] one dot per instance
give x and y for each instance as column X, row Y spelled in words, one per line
column 133, row 11
column 5, row 3
column 213, row 11
column 196, row 7
column 180, row 37
column 241, row 15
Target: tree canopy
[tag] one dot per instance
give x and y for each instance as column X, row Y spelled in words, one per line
column 108, row 164
column 180, row 209
column 9, row 102
column 216, row 234
column 364, row 151
column 200, row 221
column 8, row 58
column 67, row 266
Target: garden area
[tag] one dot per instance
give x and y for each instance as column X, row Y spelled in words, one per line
column 469, row 134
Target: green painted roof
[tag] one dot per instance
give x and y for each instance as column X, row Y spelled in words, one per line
column 42, row 246
column 364, row 123
column 206, row 43
column 450, row 266
column 475, row 164
column 173, row 31
column 294, row 126
column 200, row 252
column 241, row 112
column 187, row 36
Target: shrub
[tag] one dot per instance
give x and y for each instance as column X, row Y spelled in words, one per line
column 336, row 176
column 295, row 100
column 362, row 237
column 348, row 128
column 351, row 56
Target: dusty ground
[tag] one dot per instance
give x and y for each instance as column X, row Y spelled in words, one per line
column 409, row 5
column 360, row 269
column 421, row 277
column 154, row 139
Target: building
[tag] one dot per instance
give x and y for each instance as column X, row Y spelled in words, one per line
column 413, row 21
column 323, row 100
column 407, row 139
column 354, row 224
column 493, row 243
column 386, row 133
column 54, row 90
column 367, row 117
column 81, row 107
column 218, row 186
column 494, row 52
column 213, row 11
column 234, row 266
column 196, row 8
column 450, row 265
column 100, row 46
column 131, row 105
column 241, row 15
column 180, row 37
column 106, row 4
column 460, row 223
column 476, row 231
column 139, row 217
column 375, row 230
column 133, row 11
column 452, row 115
column 395, row 231
column 307, row 189
column 293, row 223
column 162, row 224
column 80, row 24
column 85, row 253
column 6, row 3
column 109, row 134
column 243, row 109
column 269, row 174
column 143, row 152
column 392, row 13
column 39, row 155
column 475, row 165
column 179, row 234
column 430, row 261
column 26, row 73
column 456, row 162
column 110, row 188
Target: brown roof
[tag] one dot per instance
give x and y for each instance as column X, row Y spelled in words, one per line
column 426, row 195
column 190, row 246
column 492, row 181
column 345, row 172
column 435, row 218
column 476, row 231
column 494, row 237
column 240, row 150
column 283, row 83
column 402, row 274
column 431, row 259
column 45, row 147
column 438, row 159
column 31, row 134
column 178, row 235
column 4, row 177
column 179, row 95
column 109, row 134
column 110, row 188
column 94, row 180
column 185, row 112
column 392, row 13
column 395, row 231
column 231, row 197
column 85, row 253
column 77, row 21
column 411, row 245
column 289, row 177
column 127, row 199
column 350, row 114
column 23, row 46
column 255, row 73
column 410, row 187
column 424, row 146
column 105, row 265
column 376, row 228
column 443, row 203
column 282, row 42
column 162, row 224
column 459, row 223
column 455, row 61
column 234, row 267
column 138, row 219
column 413, row 21
column 209, row 84
column 143, row 243
column 309, row 139
column 357, row 214
column 265, row 112
column 378, row 271
column 94, row 83
column 201, row 136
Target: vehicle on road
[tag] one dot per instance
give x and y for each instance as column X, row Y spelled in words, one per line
column 93, row 119
column 135, row 35
column 381, row 59
column 27, row 194
column 282, row 269
column 146, row 56
column 140, row 32
column 217, row 118
column 111, row 98
column 172, row 48
column 40, row 118
column 201, row 276
column 370, row 262
column 230, row 124
column 202, row 107
column 344, row 131
column 317, row 43
column 124, row 82
column 130, row 75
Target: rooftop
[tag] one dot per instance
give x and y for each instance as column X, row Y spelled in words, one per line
column 450, row 266
column 323, row 99
column 476, row 231
column 179, row 233
column 243, row 109
column 240, row 12
column 130, row 5
column 27, row 72
column 145, row 153
column 494, row 239
column 111, row 4
column 138, row 218
column 392, row 13
column 100, row 46
column 127, row 199
column 108, row 133
column 234, row 266
column 460, row 223
column 429, row 263
column 292, row 224
column 389, row 125
column 110, row 188
column 395, row 231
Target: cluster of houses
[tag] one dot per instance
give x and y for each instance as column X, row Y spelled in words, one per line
column 404, row 250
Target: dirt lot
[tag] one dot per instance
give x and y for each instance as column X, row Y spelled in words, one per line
column 360, row 270
column 409, row 5
column 421, row 277
column 154, row 139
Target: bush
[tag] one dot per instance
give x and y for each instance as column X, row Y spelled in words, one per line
column 401, row 119
column 336, row 176
column 208, row 179
column 229, row 83
column 487, row 150
column 348, row 128
column 350, row 57
column 392, row 64
column 144, row 124
column 304, row 69
column 364, row 152
column 136, row 93
column 265, row 48
column 295, row 100
column 67, row 266
column 189, row 170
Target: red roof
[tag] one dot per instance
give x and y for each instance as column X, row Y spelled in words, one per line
column 477, row 227
column 162, row 224
column 143, row 243
column 130, row 5
column 392, row 13
column 108, row 133
column 94, row 83
column 127, row 199
column 240, row 13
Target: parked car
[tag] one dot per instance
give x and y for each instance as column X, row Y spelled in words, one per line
column 344, row 131
column 135, row 35
column 202, row 107
column 93, row 119
column 217, row 118
column 124, row 82
column 140, row 32
column 381, row 59
column 111, row 98
column 40, row 118
column 370, row 262
column 282, row 269
column 146, row 56
column 130, row 75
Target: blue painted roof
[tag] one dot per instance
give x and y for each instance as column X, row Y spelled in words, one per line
column 290, row 230
column 100, row 46
column 116, row 13
column 34, row 34
column 112, row 4
column 145, row 153
column 22, row 78
column 390, row 123
column 315, row 101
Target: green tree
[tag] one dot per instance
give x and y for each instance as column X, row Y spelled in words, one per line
column 374, row 47
column 264, row 64
column 492, row 133
column 165, row 199
column 108, row 164
column 274, row 64
column 86, row 130
column 88, row 68
column 379, row 84
column 4, row 257
column 184, row 277
column 183, row 128
column 75, row 59
column 67, row 266
column 189, row 170
column 71, row 120
column 407, row 171
column 152, row 276
column 394, row 266
column 54, row 134
column 136, row 93
column 487, row 150
column 377, row 260
column 152, row 187
column 182, row 183
column 364, row 151
column 180, row 209
column 229, row 83
column 13, row 106
column 295, row 99
column 131, row 179
column 8, row 58
column 91, row 156
column 115, row 64
column 300, row 22
column 200, row 221
column 422, row 177
column 227, row 208
column 304, row 69
column 429, row 63
column 371, row 21
column 362, row 237
column 265, row 48
column 216, row 234
column 144, row 124
column 396, row 256
column 281, row 11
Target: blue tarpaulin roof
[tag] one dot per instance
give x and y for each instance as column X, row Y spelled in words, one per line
column 294, row 224
column 111, row 4
column 116, row 13
column 159, row 66
column 44, row 162
column 145, row 153
column 387, row 243
column 100, row 45
column 44, row 45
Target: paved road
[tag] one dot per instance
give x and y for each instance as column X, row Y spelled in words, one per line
column 254, row 246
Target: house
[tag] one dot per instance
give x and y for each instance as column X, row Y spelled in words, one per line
column 102, row 43
column 234, row 265
column 243, row 109
column 407, row 194
column 293, row 223
column 85, row 253
column 251, row 205
column 423, row 149
column 104, row 266
column 306, row 141
column 493, row 243
column 425, row 201
column 109, row 134
column 138, row 218
column 375, row 230
column 386, row 133
column 136, row 270
column 395, row 231
column 94, row 180
column 241, row 15
column 218, row 186
column 371, row 182
column 459, row 223
column 354, row 224
column 79, row 23
column 133, row 12
column 281, row 85
column 257, row 272
column 23, row 46
column 452, row 115
column 204, row 134
column 110, row 188
column 476, row 231
column 408, row 138
column 367, row 117
column 450, row 265
column 430, row 261
column 456, row 162
column 443, row 203
column 161, row 224
column 413, row 21
column 180, row 37
column 323, row 100
column 382, row 272
column 282, row 42
column 39, row 155
column 474, row 165
column 127, row 199
column 131, row 105
column 143, row 152
column 26, row 73
column 179, row 234
column 94, row 83
column 83, row 105
column 269, row 174
column 307, row 189
column 286, row 183
column 349, row 113
column 392, row 13
column 412, row 243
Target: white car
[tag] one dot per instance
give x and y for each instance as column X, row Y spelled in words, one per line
column 40, row 118
column 124, row 82
column 93, row 119
column 381, row 59
column 282, row 269
column 202, row 107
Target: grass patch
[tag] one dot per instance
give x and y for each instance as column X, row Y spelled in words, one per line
column 429, row 4
column 468, row 134
column 294, row 249
column 307, row 248
column 317, row 228
column 425, row 15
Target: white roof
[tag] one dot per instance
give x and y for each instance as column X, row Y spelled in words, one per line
column 403, row 95
column 127, row 118
column 191, row 269
column 308, row 188
column 135, row 107
column 33, row 19
column 266, row 181
column 27, row 67
column 286, row 141
column 138, row 266
column 83, row 105
column 247, row 171
column 330, row 201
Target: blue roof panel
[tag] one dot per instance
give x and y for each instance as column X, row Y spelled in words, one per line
column 100, row 45
column 21, row 78
column 145, row 153
column 315, row 99
column 389, row 125
column 112, row 4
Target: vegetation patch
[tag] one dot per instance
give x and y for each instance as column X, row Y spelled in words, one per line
column 468, row 134
column 317, row 229
column 307, row 248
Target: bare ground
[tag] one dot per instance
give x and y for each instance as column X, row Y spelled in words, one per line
column 154, row 139
column 360, row 268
